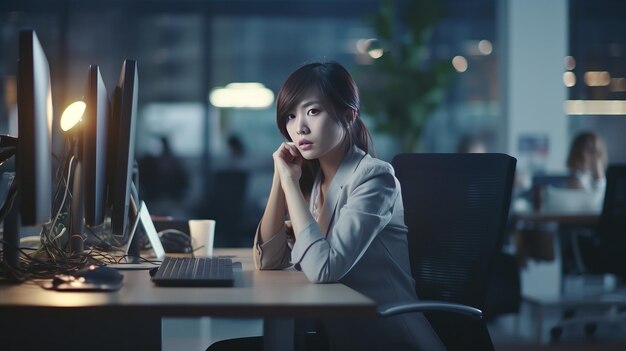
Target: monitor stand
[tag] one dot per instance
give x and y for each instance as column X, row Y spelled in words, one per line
column 77, row 214
column 142, row 216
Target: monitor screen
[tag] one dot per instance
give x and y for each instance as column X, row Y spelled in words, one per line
column 33, row 162
column 121, row 149
column 94, row 130
column 33, row 178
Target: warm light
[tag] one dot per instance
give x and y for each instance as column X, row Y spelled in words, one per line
column 362, row 45
column 72, row 115
column 242, row 95
column 371, row 47
column 375, row 53
column 570, row 62
column 597, row 78
column 569, row 79
column 459, row 63
column 595, row 107
column 485, row 47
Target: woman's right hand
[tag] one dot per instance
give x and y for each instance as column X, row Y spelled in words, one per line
column 288, row 162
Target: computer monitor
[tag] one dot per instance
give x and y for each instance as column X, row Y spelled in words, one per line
column 94, row 130
column 89, row 169
column 34, row 107
column 122, row 150
column 33, row 177
column 123, row 195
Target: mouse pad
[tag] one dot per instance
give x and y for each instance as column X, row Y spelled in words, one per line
column 63, row 282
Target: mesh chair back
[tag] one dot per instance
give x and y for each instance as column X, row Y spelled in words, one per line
column 456, row 208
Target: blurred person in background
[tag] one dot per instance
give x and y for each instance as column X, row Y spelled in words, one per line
column 587, row 161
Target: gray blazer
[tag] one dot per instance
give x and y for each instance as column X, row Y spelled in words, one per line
column 360, row 240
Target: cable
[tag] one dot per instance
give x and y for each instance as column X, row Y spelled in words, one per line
column 47, row 240
column 52, row 257
column 173, row 231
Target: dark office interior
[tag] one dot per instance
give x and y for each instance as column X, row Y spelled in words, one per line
column 200, row 158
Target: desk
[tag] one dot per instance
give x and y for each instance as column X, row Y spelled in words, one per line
column 586, row 217
column 537, row 236
column 277, row 296
column 531, row 227
column 543, row 283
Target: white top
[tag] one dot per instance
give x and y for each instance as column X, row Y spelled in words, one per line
column 589, row 197
column 589, row 184
column 360, row 240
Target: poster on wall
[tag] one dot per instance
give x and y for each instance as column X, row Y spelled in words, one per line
column 532, row 150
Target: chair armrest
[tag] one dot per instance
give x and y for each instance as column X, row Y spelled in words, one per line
column 427, row 306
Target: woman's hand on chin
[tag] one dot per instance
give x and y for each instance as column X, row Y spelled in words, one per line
column 288, row 162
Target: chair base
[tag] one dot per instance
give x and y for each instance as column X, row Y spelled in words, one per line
column 614, row 316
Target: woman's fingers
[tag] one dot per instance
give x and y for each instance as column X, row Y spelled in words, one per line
column 288, row 161
column 283, row 152
column 289, row 152
column 293, row 150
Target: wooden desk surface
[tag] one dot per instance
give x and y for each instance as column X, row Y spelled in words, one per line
column 256, row 294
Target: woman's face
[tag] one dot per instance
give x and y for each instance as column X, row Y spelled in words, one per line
column 312, row 129
column 591, row 155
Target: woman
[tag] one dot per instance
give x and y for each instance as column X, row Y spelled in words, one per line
column 587, row 161
column 346, row 216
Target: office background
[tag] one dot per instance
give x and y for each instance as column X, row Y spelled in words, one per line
column 186, row 49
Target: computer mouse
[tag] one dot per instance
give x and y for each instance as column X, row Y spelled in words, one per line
column 91, row 278
column 99, row 275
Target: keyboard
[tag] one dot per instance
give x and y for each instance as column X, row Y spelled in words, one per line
column 195, row 271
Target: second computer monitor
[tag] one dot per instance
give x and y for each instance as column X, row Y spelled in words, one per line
column 94, row 129
column 122, row 149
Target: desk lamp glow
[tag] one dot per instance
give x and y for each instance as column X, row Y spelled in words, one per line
column 72, row 115
column 70, row 124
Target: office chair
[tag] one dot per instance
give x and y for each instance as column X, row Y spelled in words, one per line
column 604, row 251
column 456, row 208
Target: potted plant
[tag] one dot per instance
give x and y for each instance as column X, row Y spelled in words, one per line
column 403, row 87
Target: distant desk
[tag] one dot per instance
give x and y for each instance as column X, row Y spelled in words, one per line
column 554, row 215
column 538, row 237
column 544, row 283
column 596, row 298
column 560, row 298
column 279, row 297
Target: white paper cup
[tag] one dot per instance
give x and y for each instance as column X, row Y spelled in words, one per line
column 202, row 233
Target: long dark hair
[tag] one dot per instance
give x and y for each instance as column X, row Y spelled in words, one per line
column 583, row 145
column 340, row 96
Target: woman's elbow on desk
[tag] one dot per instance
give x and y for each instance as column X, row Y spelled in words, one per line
column 271, row 265
column 320, row 279
column 318, row 274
